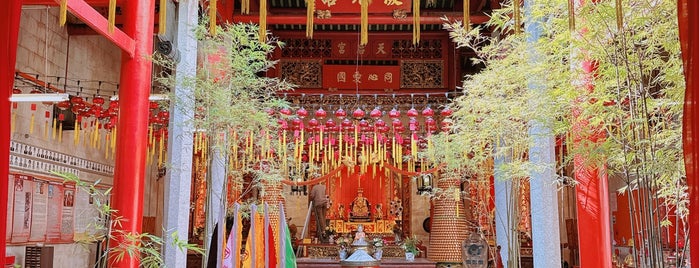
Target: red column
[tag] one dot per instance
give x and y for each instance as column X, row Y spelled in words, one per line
column 10, row 11
column 135, row 86
column 688, row 13
column 592, row 191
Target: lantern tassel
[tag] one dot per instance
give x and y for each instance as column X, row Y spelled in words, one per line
column 245, row 7
column 365, row 22
column 619, row 16
column 571, row 15
column 14, row 122
column 46, row 129
column 63, row 12
column 60, row 132
column 416, row 22
column 111, row 16
column 212, row 17
column 76, row 133
column 467, row 15
column 263, row 21
column 162, row 17
column 31, row 124
column 517, row 15
column 310, row 10
column 53, row 129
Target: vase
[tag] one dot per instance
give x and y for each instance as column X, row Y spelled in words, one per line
column 409, row 256
column 378, row 253
column 343, row 254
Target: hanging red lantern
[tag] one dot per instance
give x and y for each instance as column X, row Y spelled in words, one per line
column 340, row 114
column 347, row 124
column 446, row 125
column 302, row 113
column 321, row 114
column 76, row 100
column 396, row 122
column 282, row 124
column 358, row 113
column 414, row 124
column 296, row 122
column 376, row 113
column 313, row 123
column 78, row 107
column 285, row 111
column 427, row 112
column 446, row 111
column 269, row 111
column 380, row 123
column 330, row 123
column 412, row 113
column 153, row 105
column 98, row 100
column 394, row 113
column 64, row 105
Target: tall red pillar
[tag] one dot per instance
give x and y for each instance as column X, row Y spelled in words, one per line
column 592, row 190
column 688, row 15
column 132, row 143
column 10, row 11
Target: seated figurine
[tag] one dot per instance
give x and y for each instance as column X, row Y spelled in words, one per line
column 360, row 208
column 378, row 215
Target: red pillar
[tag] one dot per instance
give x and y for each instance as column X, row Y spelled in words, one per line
column 688, row 15
column 135, row 86
column 592, row 191
column 10, row 11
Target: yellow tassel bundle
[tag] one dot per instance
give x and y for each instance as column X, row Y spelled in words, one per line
column 63, row 12
column 364, row 22
column 416, row 22
column 518, row 19
column 571, row 15
column 310, row 10
column 162, row 17
column 111, row 16
column 263, row 21
column 619, row 15
column 245, row 7
column 467, row 15
column 212, row 17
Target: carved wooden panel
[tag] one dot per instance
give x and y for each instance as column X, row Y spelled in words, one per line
column 426, row 49
column 304, row 73
column 422, row 74
column 306, row 48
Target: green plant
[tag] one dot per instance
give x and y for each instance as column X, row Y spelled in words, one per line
column 410, row 244
column 144, row 246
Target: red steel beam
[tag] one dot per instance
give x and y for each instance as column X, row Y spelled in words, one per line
column 96, row 21
column 345, row 19
column 132, row 140
column 10, row 11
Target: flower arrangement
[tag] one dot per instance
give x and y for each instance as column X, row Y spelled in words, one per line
column 343, row 242
column 410, row 245
column 377, row 243
column 330, row 232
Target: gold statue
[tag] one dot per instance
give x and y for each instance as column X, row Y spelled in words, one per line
column 359, row 207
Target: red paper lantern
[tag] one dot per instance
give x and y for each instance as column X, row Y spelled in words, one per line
column 330, row 123
column 313, row 122
column 446, row 125
column 153, row 105
column 347, row 124
column 340, row 114
column 414, row 124
column 64, row 105
column 446, row 112
column 98, row 100
column 376, row 113
column 412, row 113
column 76, row 100
column 282, row 124
column 285, row 111
column 394, row 113
column 320, row 114
column 358, row 114
column 428, row 112
column 380, row 123
column 302, row 113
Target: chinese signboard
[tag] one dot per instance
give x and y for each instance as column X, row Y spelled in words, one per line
column 352, row 6
column 350, row 49
column 362, row 77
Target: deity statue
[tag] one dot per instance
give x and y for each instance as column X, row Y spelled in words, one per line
column 360, row 207
column 379, row 212
column 359, row 237
column 341, row 212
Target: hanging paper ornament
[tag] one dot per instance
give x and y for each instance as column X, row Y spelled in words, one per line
column 282, row 124
column 358, row 113
column 330, row 123
column 364, row 125
column 446, row 112
column 269, row 111
column 446, row 125
column 414, row 125
column 295, row 123
column 285, row 111
column 376, row 113
column 340, row 114
column 412, row 113
column 427, row 112
column 302, row 113
column 380, row 123
column 347, row 124
column 394, row 113
column 320, row 114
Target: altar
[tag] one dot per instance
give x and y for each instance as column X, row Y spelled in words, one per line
column 377, row 227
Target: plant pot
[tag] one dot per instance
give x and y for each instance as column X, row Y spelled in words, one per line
column 343, row 254
column 378, row 253
column 409, row 256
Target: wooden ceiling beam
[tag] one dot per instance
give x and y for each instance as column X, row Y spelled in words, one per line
column 98, row 3
column 354, row 19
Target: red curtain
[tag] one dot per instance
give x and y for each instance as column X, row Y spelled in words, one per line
column 689, row 40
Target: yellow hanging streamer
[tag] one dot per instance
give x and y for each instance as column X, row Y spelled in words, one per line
column 212, row 17
column 46, row 129
column 416, row 22
column 53, row 129
column 310, row 10
column 63, row 12
column 365, row 22
column 571, row 15
column 467, row 15
column 619, row 15
column 31, row 124
column 245, row 7
column 76, row 133
column 162, row 17
column 263, row 21
column 14, row 121
column 111, row 16
column 60, row 132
